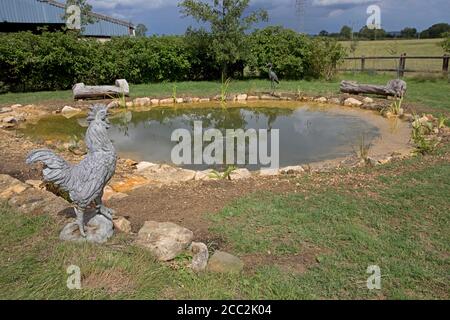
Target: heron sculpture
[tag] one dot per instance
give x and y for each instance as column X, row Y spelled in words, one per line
column 273, row 77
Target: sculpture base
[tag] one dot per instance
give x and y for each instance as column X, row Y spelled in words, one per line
column 98, row 230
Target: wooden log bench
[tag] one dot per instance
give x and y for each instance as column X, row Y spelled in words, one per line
column 394, row 88
column 81, row 91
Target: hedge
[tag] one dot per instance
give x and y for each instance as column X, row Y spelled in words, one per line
column 55, row 61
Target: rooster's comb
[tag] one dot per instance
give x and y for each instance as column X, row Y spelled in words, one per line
column 94, row 109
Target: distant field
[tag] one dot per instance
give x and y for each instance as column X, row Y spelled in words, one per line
column 424, row 47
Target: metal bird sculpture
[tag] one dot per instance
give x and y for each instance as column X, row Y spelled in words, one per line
column 85, row 181
column 273, row 77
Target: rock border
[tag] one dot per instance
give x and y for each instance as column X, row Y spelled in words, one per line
column 146, row 173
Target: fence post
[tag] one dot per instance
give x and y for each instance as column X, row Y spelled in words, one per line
column 363, row 63
column 445, row 64
column 402, row 65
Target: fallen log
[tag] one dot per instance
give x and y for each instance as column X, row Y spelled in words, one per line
column 80, row 91
column 394, row 88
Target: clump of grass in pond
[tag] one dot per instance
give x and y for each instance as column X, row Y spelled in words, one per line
column 174, row 93
column 422, row 136
column 121, row 100
column 364, row 149
column 225, row 175
column 395, row 108
column 224, row 89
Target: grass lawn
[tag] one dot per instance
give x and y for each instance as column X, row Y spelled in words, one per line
column 314, row 243
column 422, row 47
column 432, row 93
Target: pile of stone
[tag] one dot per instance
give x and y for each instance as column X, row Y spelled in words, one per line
column 166, row 241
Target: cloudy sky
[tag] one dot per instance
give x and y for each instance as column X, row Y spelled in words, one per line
column 163, row 16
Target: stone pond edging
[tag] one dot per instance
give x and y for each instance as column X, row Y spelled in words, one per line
column 146, row 173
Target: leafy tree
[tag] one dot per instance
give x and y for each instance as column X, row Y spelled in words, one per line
column 435, row 31
column 346, row 32
column 446, row 43
column 141, row 30
column 228, row 24
column 323, row 33
column 409, row 33
column 85, row 9
column 372, row 34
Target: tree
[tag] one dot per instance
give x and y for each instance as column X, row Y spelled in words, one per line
column 372, row 34
column 446, row 43
column 85, row 10
column 346, row 32
column 141, row 30
column 435, row 31
column 409, row 33
column 227, row 27
column 323, row 33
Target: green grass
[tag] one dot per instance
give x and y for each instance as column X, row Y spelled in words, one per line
column 398, row 219
column 432, row 93
column 422, row 47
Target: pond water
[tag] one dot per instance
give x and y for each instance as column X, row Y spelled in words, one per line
column 306, row 134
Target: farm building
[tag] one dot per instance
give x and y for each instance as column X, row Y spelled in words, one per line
column 22, row 15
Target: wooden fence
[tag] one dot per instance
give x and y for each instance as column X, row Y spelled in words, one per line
column 401, row 64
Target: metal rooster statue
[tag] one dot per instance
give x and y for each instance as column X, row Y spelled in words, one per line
column 85, row 181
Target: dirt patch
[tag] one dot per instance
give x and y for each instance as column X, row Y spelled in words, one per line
column 188, row 203
column 295, row 264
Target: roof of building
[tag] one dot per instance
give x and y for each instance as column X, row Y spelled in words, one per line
column 51, row 12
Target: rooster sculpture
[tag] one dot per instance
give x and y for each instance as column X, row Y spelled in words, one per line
column 85, row 181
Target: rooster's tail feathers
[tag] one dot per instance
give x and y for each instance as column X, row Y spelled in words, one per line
column 56, row 168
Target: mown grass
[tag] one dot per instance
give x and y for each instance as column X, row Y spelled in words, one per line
column 431, row 93
column 399, row 220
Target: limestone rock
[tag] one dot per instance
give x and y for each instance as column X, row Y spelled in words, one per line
column 9, row 119
column 141, row 166
column 241, row 97
column 164, row 240
column 292, row 170
column 252, row 98
column 205, row 100
column 37, row 184
column 154, row 102
column 204, row 175
column 166, row 101
column 240, row 174
column 129, row 104
column 113, row 104
column 368, row 100
column 142, row 102
column 321, row 100
column 201, row 255
column 129, row 184
column 268, row 97
column 352, row 102
column 195, row 99
column 268, row 172
column 6, row 109
column 122, row 224
column 222, row 262
column 98, row 230
column 335, row 101
column 167, row 174
column 69, row 111
column 16, row 106
column 179, row 100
